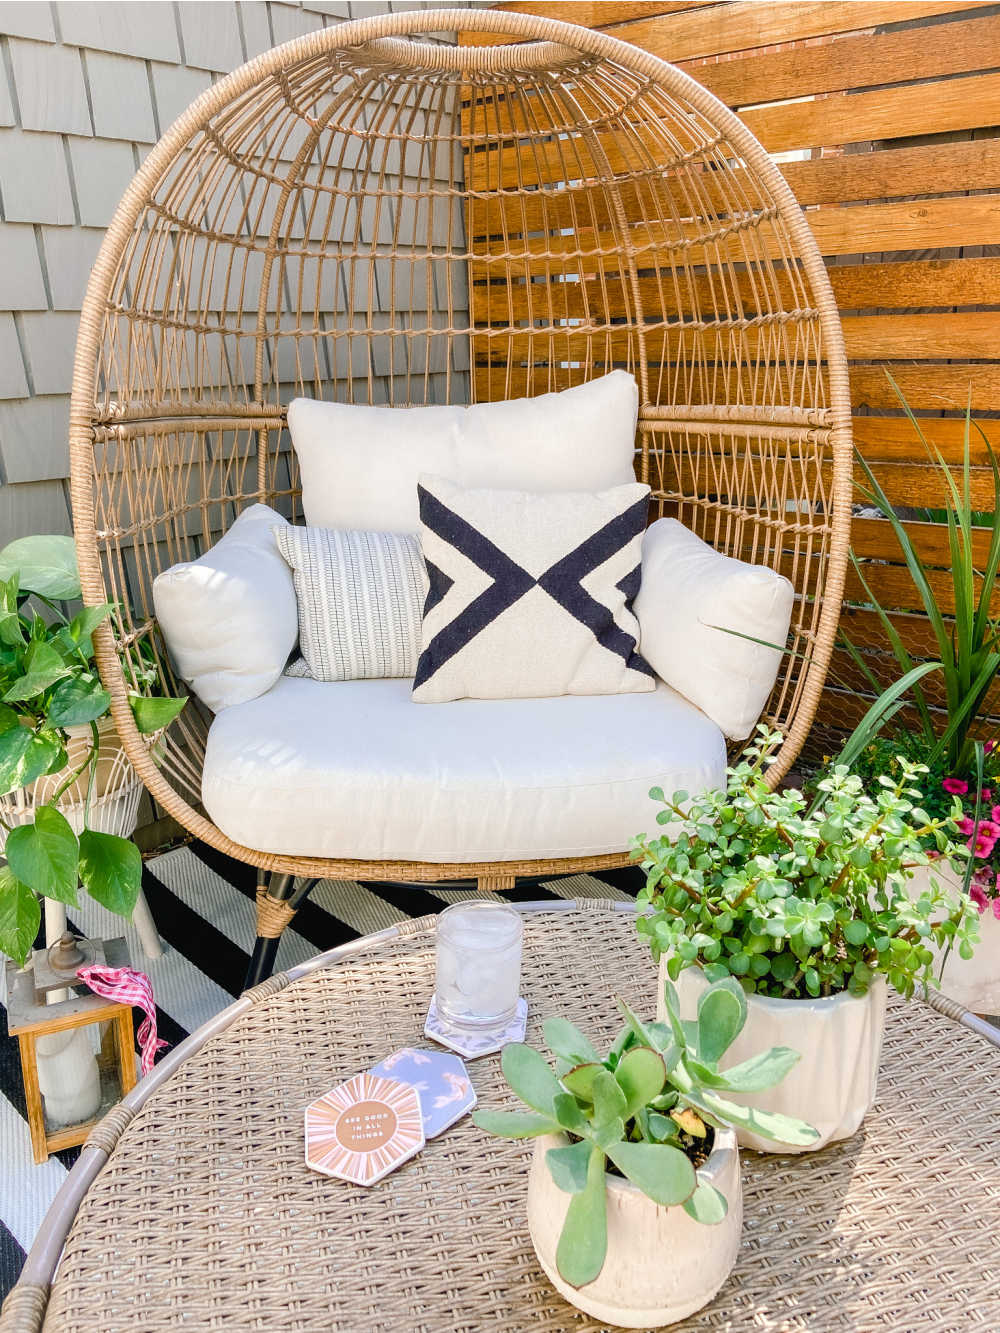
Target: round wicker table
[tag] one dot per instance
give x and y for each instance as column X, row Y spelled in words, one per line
column 192, row 1207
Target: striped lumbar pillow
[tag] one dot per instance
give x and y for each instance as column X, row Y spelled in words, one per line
column 360, row 598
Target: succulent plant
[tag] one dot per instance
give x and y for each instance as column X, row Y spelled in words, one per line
column 798, row 899
column 647, row 1107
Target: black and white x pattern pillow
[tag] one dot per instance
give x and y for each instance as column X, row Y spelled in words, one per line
column 530, row 594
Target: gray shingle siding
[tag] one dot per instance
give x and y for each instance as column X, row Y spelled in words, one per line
column 85, row 89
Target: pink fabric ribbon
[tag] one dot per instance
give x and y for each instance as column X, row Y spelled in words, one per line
column 126, row 986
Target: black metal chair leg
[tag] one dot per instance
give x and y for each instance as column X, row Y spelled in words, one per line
column 282, row 889
column 261, row 961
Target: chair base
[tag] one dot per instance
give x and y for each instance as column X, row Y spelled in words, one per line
column 278, row 899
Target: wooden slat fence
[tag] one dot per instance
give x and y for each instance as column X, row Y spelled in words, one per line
column 885, row 116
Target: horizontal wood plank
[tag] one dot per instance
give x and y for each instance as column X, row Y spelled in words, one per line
column 608, row 296
column 960, row 46
column 905, row 336
column 922, row 282
column 934, row 168
column 932, row 387
column 744, row 26
column 890, row 113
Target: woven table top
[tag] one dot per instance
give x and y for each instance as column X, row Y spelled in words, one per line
column 206, row 1217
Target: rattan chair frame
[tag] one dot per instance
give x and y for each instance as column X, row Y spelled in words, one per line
column 671, row 245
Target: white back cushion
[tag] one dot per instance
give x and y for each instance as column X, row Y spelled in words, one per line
column 359, row 464
column 687, row 589
column 229, row 618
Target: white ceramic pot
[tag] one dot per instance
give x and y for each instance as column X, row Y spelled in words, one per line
column 972, row 982
column 661, row 1265
column 839, row 1040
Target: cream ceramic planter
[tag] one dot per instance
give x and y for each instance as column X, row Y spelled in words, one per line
column 839, row 1039
column 661, row 1265
column 972, row 982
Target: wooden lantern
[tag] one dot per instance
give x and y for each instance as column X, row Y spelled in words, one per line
column 32, row 1014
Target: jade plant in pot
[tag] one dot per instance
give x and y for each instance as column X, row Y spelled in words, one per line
column 55, row 755
column 805, row 906
column 634, row 1203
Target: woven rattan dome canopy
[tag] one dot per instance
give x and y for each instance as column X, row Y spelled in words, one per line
column 372, row 215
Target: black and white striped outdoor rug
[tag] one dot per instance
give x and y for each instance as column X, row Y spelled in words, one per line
column 203, row 904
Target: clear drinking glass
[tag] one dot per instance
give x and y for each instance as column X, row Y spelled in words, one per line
column 478, row 964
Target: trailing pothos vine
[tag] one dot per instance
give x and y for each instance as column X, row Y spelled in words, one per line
column 49, row 683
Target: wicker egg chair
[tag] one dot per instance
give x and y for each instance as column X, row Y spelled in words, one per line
column 365, row 215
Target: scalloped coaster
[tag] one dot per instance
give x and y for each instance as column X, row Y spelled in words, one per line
column 473, row 1042
column 440, row 1080
column 363, row 1129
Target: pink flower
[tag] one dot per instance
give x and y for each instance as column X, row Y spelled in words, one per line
column 996, row 908
column 979, row 898
column 965, row 825
column 955, row 786
column 986, row 793
column 995, row 814
column 989, row 747
column 984, row 839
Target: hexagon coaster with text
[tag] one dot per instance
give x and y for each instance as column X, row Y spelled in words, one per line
column 363, row 1129
column 440, row 1080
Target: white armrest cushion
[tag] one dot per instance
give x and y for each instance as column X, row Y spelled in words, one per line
column 229, row 619
column 687, row 589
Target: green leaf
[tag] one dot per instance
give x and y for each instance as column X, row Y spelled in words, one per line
column 768, row 1124
column 609, row 1100
column 856, row 932
column 663, row 1173
column 514, row 1124
column 8, row 718
column 761, row 1071
column 583, row 1243
column 568, row 1114
column 641, row 1075
column 20, row 917
column 580, row 1080
column 43, row 667
column 44, row 564
column 722, row 1012
column 530, row 1077
column 83, row 624
column 25, row 756
column 110, row 870
column 568, row 1166
column 154, row 714
column 44, row 855
column 76, row 701
column 707, row 1205
column 567, row 1041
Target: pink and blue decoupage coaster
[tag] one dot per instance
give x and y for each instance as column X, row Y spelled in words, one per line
column 441, row 1081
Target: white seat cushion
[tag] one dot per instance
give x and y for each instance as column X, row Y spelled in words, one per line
column 356, row 770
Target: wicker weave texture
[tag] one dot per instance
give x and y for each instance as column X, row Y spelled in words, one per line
column 372, row 219
column 206, row 1217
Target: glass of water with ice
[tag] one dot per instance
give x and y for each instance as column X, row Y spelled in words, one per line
column 478, row 964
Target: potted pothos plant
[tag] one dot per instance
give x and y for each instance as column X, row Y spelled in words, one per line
column 54, row 716
column 634, row 1203
column 804, row 904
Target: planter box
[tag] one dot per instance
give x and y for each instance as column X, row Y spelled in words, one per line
column 661, row 1264
column 839, row 1039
